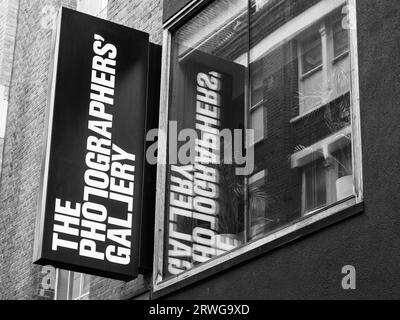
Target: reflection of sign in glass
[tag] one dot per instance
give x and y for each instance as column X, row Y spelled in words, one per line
column 199, row 182
column 198, row 217
column 92, row 195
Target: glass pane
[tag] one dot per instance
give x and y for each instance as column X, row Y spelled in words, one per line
column 205, row 209
column 311, row 52
column 278, row 74
column 340, row 39
column 258, row 206
column 86, row 284
column 308, row 150
column 62, row 285
column 315, row 186
column 75, row 285
column 257, row 123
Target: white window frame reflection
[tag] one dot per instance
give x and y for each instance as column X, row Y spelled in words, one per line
column 323, row 150
column 300, row 22
column 257, row 111
column 320, row 76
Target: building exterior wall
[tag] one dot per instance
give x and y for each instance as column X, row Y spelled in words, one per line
column 307, row 268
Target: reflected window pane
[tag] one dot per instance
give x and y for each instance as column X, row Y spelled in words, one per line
column 72, row 285
column 85, row 284
column 315, row 186
column 75, row 288
column 62, row 284
column 306, row 91
column 311, row 52
column 257, row 123
column 340, row 39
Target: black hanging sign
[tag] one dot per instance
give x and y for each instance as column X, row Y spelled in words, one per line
column 92, row 180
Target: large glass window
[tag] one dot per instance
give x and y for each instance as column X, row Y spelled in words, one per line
column 278, row 67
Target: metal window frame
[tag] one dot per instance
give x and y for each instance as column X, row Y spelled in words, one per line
column 326, row 216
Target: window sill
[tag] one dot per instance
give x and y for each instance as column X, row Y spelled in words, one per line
column 340, row 57
column 257, row 105
column 303, row 227
column 323, row 148
column 305, row 114
column 309, row 73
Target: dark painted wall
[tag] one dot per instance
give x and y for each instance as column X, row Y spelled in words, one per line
column 311, row 267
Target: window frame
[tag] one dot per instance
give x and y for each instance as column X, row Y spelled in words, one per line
column 343, row 54
column 70, row 281
column 310, row 223
column 329, row 59
column 256, row 106
column 303, row 74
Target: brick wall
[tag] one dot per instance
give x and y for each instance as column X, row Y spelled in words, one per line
column 145, row 16
column 19, row 278
column 8, row 24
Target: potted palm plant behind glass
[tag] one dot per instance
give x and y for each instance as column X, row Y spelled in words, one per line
column 232, row 206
